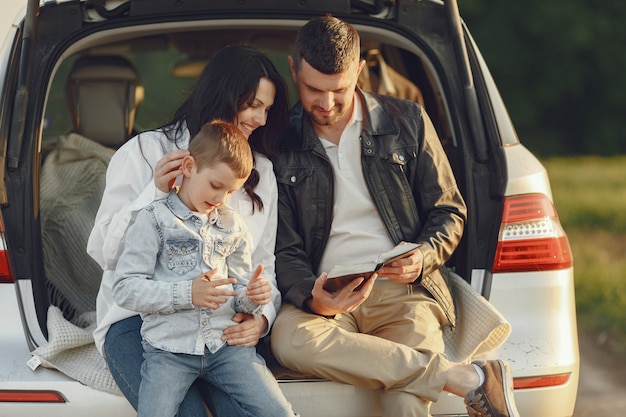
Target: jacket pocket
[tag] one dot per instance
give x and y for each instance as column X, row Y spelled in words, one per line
column 302, row 187
column 397, row 165
column 224, row 246
column 399, row 157
column 293, row 177
column 182, row 255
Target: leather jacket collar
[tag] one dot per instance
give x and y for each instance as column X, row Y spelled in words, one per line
column 376, row 122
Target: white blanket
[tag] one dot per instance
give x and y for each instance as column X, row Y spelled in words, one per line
column 71, row 350
column 480, row 328
column 72, row 183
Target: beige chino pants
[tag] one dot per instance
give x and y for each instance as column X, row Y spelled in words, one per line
column 392, row 342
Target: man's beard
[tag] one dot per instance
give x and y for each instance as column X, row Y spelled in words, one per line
column 327, row 120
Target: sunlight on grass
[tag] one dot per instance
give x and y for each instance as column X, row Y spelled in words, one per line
column 599, row 274
column 590, row 192
column 590, row 196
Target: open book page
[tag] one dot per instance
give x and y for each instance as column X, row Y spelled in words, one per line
column 340, row 275
column 401, row 250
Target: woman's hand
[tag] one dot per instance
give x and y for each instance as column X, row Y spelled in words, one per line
column 168, row 168
column 247, row 332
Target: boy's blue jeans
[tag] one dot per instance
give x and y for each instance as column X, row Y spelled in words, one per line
column 123, row 354
column 237, row 370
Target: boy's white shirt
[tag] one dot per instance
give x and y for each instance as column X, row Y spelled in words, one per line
column 130, row 186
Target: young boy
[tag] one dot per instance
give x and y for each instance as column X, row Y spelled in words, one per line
column 174, row 271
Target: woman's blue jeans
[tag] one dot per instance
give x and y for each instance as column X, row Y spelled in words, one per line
column 123, row 353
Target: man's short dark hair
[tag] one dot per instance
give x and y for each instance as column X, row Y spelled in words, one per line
column 328, row 44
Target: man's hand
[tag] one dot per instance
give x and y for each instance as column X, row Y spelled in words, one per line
column 404, row 270
column 168, row 168
column 345, row 301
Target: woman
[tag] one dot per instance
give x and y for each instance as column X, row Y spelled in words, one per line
column 240, row 84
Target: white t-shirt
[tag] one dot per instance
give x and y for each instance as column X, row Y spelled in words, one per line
column 130, row 186
column 357, row 233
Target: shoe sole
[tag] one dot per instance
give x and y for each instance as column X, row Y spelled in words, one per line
column 507, row 381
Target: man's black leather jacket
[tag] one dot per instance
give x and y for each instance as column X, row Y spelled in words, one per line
column 408, row 175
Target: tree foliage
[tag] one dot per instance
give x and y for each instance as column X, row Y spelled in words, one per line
column 560, row 67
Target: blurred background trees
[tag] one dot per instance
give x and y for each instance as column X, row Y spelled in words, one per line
column 560, row 66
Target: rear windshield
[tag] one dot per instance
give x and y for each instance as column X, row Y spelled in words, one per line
column 169, row 64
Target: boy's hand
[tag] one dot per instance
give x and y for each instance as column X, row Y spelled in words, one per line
column 259, row 289
column 205, row 291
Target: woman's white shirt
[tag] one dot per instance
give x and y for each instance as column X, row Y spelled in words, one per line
column 130, row 186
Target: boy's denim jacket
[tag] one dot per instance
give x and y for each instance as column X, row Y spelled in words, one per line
column 166, row 248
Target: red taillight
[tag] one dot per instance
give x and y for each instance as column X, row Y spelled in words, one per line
column 5, row 268
column 540, row 381
column 531, row 237
column 35, row 396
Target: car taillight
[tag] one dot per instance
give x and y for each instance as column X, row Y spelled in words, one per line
column 531, row 237
column 31, row 396
column 541, row 381
column 5, row 268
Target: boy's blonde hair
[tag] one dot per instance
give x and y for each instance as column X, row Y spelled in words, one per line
column 220, row 141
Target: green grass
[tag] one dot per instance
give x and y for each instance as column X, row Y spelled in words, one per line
column 590, row 196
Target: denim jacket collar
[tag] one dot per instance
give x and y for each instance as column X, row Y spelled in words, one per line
column 180, row 210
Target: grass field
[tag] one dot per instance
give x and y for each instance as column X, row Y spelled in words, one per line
column 590, row 196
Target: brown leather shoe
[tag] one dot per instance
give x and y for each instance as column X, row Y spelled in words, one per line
column 494, row 398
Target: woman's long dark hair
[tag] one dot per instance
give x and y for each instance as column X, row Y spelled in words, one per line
column 227, row 85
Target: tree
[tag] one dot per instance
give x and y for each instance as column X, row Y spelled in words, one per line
column 560, row 67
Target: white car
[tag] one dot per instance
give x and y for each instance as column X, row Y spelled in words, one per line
column 514, row 251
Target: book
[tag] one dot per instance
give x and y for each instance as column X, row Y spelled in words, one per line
column 340, row 275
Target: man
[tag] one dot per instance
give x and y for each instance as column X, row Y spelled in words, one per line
column 358, row 174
